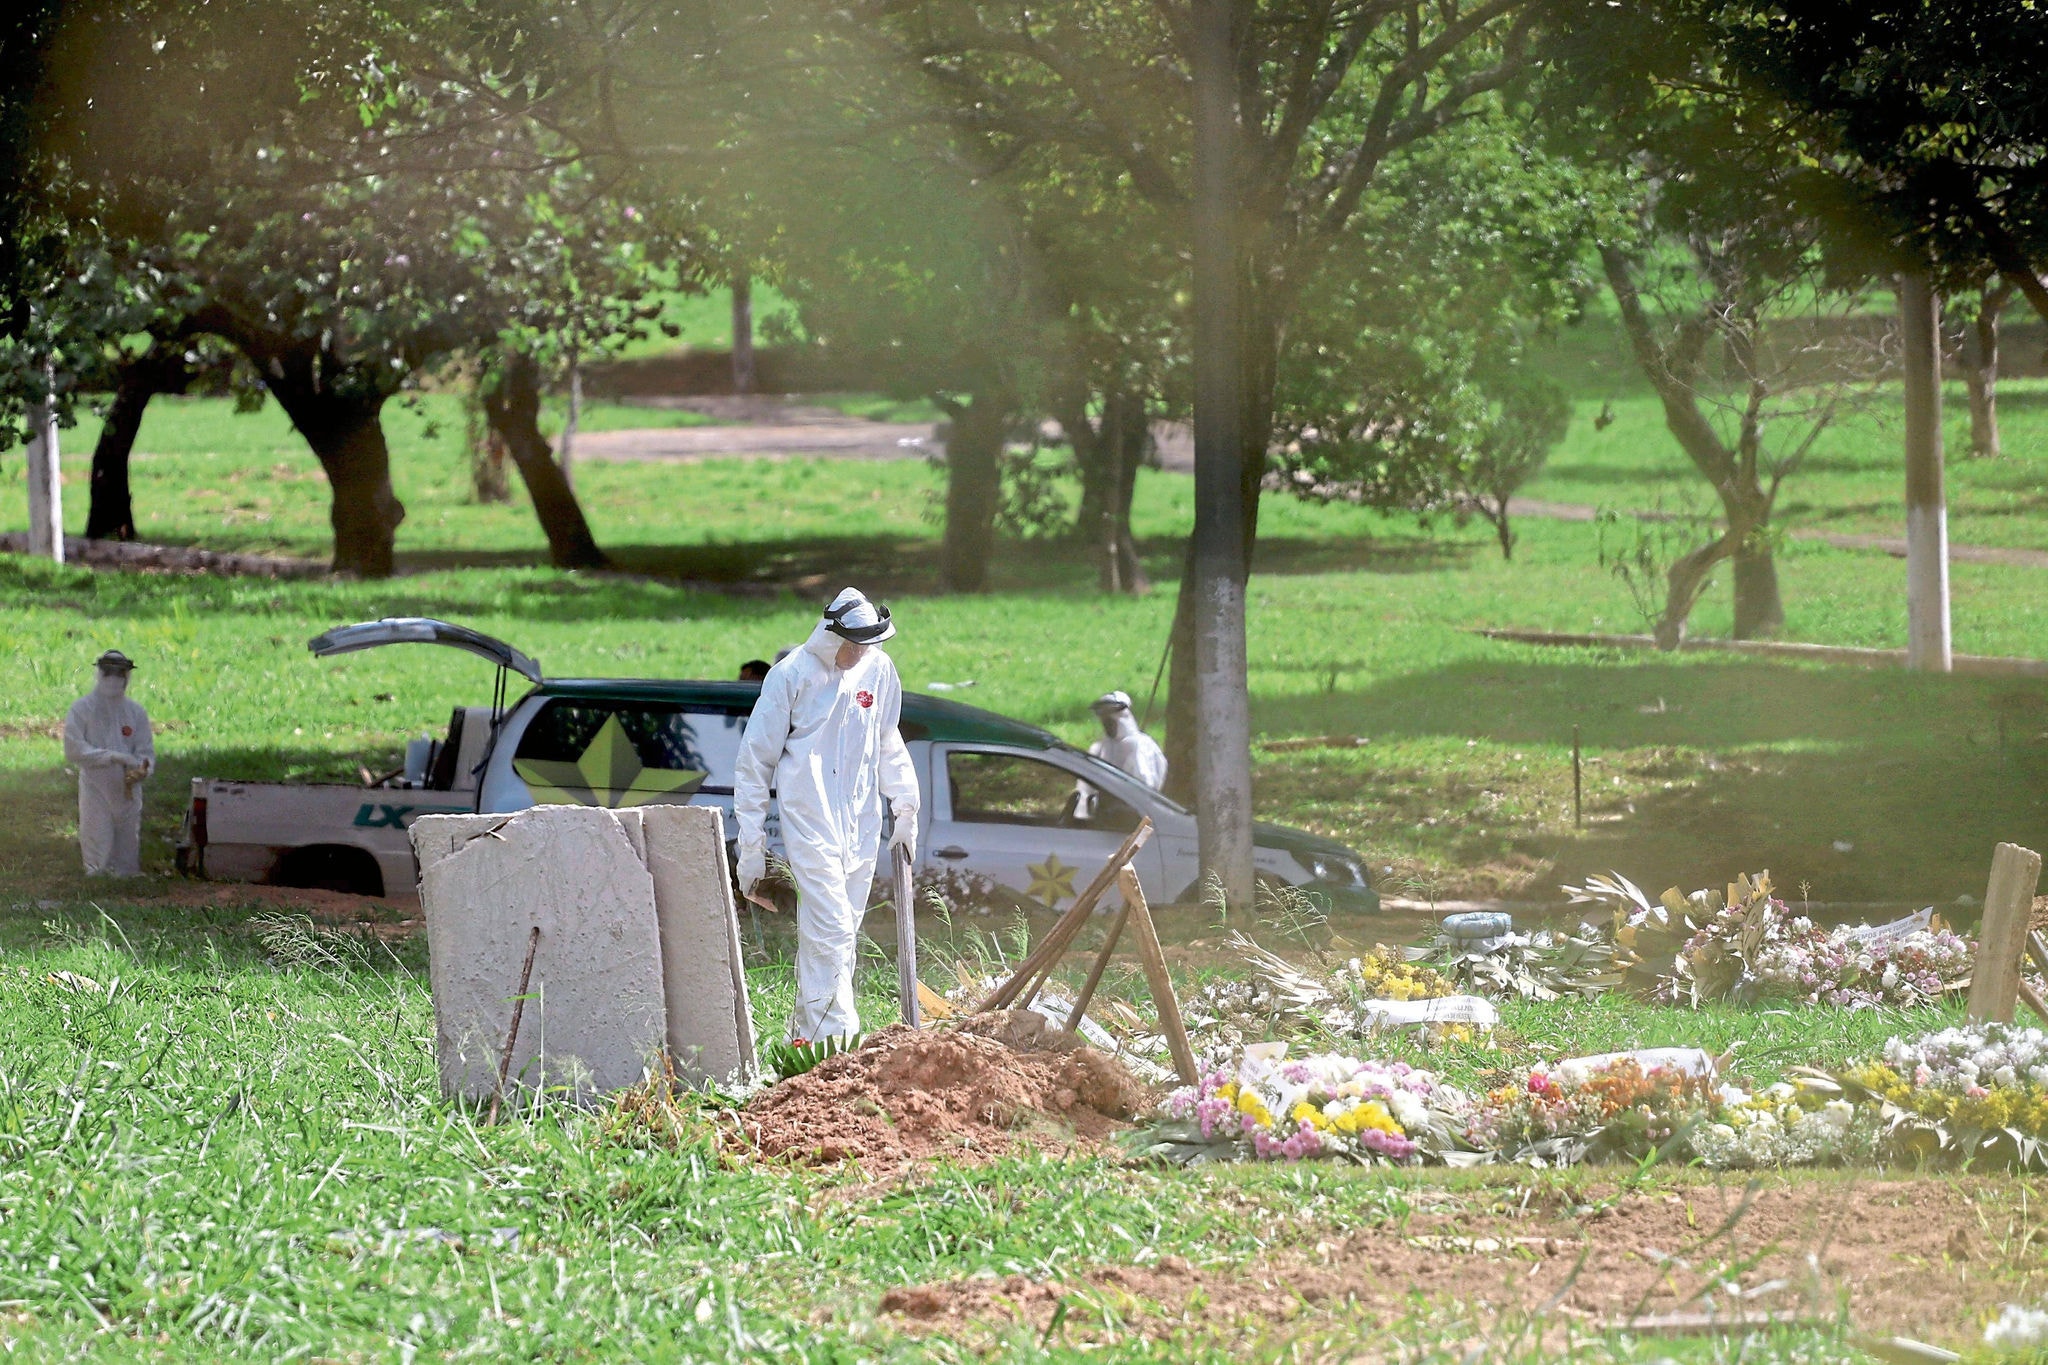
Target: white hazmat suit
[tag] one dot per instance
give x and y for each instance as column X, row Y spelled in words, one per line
column 107, row 738
column 823, row 740
column 1125, row 747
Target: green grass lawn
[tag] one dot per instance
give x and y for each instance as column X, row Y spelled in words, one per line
column 210, row 1149
column 1852, row 481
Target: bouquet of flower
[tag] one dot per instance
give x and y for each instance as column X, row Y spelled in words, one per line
column 1800, row 1123
column 1560, row 1117
column 1283, row 1000
column 1385, row 974
column 1547, row 964
column 1746, row 945
column 1320, row 1106
column 1979, row 1090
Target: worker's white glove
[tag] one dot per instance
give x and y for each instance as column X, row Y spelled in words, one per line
column 753, row 867
column 904, row 835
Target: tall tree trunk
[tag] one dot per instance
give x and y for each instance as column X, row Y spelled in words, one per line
column 111, row 514
column 1126, row 434
column 1183, row 753
column 512, row 403
column 343, row 423
column 486, row 449
column 1979, row 363
column 1220, row 561
column 974, row 485
column 1107, row 456
column 742, row 333
column 45, row 481
column 1927, row 615
column 1183, row 724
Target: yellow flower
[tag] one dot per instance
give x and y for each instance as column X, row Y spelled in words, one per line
column 1370, row 1115
column 1315, row 1117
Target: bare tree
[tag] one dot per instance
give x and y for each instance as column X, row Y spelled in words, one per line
column 1750, row 364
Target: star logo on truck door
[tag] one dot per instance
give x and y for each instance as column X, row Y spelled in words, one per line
column 1052, row 881
column 609, row 773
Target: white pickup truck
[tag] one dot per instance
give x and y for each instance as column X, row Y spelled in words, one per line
column 1000, row 813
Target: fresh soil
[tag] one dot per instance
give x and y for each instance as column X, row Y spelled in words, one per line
column 1931, row 1259
column 979, row 1089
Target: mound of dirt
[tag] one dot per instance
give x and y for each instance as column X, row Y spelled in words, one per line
column 977, row 1089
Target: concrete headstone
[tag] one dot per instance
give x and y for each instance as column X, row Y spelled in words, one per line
column 710, row 1019
column 594, row 1019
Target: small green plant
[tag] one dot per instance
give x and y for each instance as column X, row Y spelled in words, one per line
column 799, row 1055
column 1290, row 912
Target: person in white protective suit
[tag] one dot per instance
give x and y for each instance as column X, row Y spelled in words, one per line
column 823, row 739
column 1123, row 745
column 107, row 738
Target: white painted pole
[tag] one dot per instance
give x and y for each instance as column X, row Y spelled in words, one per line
column 45, row 486
column 1927, row 618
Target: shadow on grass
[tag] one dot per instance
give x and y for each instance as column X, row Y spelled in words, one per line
column 1696, row 771
column 737, row 580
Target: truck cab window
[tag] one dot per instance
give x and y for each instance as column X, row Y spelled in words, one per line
column 1009, row 789
column 613, row 753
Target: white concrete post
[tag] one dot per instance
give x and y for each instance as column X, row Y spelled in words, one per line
column 1927, row 620
column 45, row 486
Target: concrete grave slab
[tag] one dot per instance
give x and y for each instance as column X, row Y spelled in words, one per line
column 594, row 1019
column 710, row 1018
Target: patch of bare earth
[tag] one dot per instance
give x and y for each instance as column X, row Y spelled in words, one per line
column 1930, row 1259
column 391, row 919
column 980, row 1089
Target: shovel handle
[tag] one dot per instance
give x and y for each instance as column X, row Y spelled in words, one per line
column 906, row 941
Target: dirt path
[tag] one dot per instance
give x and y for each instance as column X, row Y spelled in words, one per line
column 1930, row 1258
column 768, row 428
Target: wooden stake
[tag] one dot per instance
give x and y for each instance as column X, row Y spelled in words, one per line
column 1039, row 963
column 1995, row 985
column 1578, row 793
column 2034, row 1000
column 906, row 942
column 1156, row 977
column 1095, row 972
column 512, row 1034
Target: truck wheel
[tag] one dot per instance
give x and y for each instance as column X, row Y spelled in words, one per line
column 330, row 867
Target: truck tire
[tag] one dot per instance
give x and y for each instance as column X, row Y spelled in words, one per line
column 330, row 867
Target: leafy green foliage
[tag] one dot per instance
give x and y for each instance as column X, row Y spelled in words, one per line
column 798, row 1055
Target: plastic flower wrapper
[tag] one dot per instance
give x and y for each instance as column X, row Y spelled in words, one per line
column 1793, row 1123
column 1323, row 1105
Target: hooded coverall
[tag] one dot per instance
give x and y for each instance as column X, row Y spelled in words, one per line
column 107, row 738
column 1130, row 749
column 824, row 740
